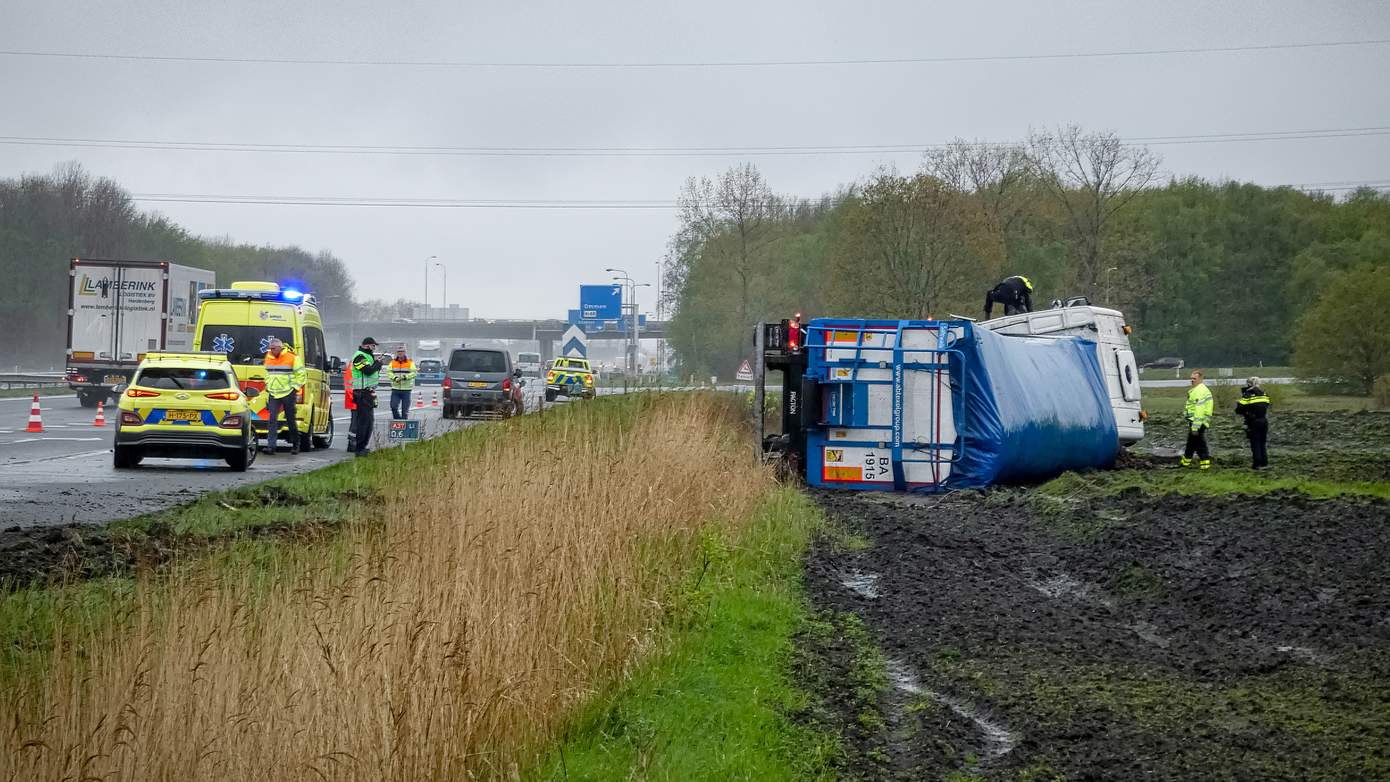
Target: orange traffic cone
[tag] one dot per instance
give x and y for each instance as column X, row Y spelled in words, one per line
column 101, row 414
column 35, row 419
column 434, row 403
column 420, row 401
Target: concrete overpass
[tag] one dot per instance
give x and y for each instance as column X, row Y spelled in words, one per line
column 546, row 333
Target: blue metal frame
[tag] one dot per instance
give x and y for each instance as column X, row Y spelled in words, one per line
column 820, row 368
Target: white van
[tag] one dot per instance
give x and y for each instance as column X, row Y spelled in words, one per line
column 529, row 364
column 1106, row 327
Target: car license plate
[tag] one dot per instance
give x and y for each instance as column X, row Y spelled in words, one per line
column 114, row 379
column 183, row 415
column 476, row 384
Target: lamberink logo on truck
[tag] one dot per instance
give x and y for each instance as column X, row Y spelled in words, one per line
column 105, row 286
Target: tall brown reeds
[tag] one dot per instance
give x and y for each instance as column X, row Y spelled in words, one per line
column 512, row 571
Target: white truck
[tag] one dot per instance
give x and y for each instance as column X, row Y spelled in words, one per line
column 120, row 310
column 529, row 364
column 1106, row 327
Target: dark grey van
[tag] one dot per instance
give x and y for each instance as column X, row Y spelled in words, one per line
column 482, row 380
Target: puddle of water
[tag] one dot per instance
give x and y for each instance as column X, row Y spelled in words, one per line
column 861, row 583
column 999, row 740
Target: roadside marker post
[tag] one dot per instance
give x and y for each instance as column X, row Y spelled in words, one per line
column 35, row 417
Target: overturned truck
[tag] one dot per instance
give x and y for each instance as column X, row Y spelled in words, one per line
column 930, row 406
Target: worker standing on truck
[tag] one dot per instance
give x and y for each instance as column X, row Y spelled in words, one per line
column 403, row 374
column 1198, row 412
column 366, row 369
column 1253, row 406
column 1015, row 293
column 284, row 379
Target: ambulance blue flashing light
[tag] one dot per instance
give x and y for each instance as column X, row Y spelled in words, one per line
column 288, row 295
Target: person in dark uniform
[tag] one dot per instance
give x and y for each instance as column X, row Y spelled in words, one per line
column 1253, row 406
column 1015, row 293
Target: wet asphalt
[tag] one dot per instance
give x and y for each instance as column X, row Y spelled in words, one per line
column 65, row 474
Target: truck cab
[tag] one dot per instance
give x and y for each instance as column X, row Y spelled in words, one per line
column 1105, row 327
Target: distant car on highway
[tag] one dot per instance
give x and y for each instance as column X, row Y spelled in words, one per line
column 569, row 377
column 430, row 372
column 529, row 364
column 185, row 406
column 482, row 380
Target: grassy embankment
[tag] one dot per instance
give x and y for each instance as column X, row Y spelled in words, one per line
column 11, row 393
column 619, row 577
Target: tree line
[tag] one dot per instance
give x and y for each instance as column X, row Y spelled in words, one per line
column 1218, row 273
column 45, row 220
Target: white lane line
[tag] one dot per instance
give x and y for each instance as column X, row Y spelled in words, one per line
column 53, row 439
column 60, row 458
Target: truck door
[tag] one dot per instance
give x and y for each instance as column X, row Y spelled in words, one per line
column 1129, row 375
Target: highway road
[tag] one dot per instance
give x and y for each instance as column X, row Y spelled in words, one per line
column 65, row 473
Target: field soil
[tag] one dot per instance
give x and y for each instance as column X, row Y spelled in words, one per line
column 1123, row 637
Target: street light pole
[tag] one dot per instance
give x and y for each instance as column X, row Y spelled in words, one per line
column 427, row 285
column 1108, row 300
column 444, row 296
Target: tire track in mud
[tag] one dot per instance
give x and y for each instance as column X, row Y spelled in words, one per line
column 1172, row 638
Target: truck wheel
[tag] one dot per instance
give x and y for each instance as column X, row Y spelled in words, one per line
column 89, row 399
column 549, row 395
column 127, row 457
column 325, row 440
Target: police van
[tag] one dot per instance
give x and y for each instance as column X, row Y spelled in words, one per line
column 1105, row 327
column 240, row 321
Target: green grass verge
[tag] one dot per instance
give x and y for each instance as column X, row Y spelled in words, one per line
column 1286, row 398
column 1213, row 483
column 714, row 703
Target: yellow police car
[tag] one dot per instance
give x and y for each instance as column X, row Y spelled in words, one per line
column 186, row 406
column 569, row 377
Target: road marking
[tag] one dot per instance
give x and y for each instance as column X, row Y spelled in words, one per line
column 54, row 439
column 59, row 458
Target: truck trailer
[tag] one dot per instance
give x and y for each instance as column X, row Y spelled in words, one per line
column 120, row 310
column 929, row 406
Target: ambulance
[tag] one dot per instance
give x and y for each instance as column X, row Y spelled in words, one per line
column 240, row 321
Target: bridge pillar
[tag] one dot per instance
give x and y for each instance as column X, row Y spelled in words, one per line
column 547, row 351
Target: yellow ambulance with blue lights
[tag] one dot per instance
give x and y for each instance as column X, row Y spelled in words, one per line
column 239, row 322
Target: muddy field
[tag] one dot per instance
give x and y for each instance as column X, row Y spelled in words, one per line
column 1171, row 638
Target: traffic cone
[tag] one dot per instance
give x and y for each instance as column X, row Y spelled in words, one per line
column 35, row 419
column 434, row 403
column 101, row 414
column 420, row 400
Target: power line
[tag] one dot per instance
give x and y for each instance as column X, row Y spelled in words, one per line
column 571, row 204
column 693, row 64
column 735, row 151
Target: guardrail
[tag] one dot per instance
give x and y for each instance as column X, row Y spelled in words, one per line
column 32, row 379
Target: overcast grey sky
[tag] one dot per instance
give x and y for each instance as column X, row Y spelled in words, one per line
column 528, row 262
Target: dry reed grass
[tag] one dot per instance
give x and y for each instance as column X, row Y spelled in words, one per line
column 522, row 567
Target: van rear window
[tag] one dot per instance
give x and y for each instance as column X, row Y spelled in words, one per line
column 183, row 379
column 244, row 344
column 477, row 361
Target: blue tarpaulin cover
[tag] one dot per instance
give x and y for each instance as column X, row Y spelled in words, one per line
column 1034, row 408
column 941, row 405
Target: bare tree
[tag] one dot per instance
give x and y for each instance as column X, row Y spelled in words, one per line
column 997, row 174
column 1090, row 176
column 907, row 241
column 725, row 226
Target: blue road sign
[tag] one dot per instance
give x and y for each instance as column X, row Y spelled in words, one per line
column 600, row 302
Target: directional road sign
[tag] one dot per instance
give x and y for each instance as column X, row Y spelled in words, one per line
column 600, row 302
column 574, row 344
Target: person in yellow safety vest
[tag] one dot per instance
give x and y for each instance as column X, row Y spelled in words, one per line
column 365, row 369
column 1197, row 411
column 284, row 378
column 402, row 372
